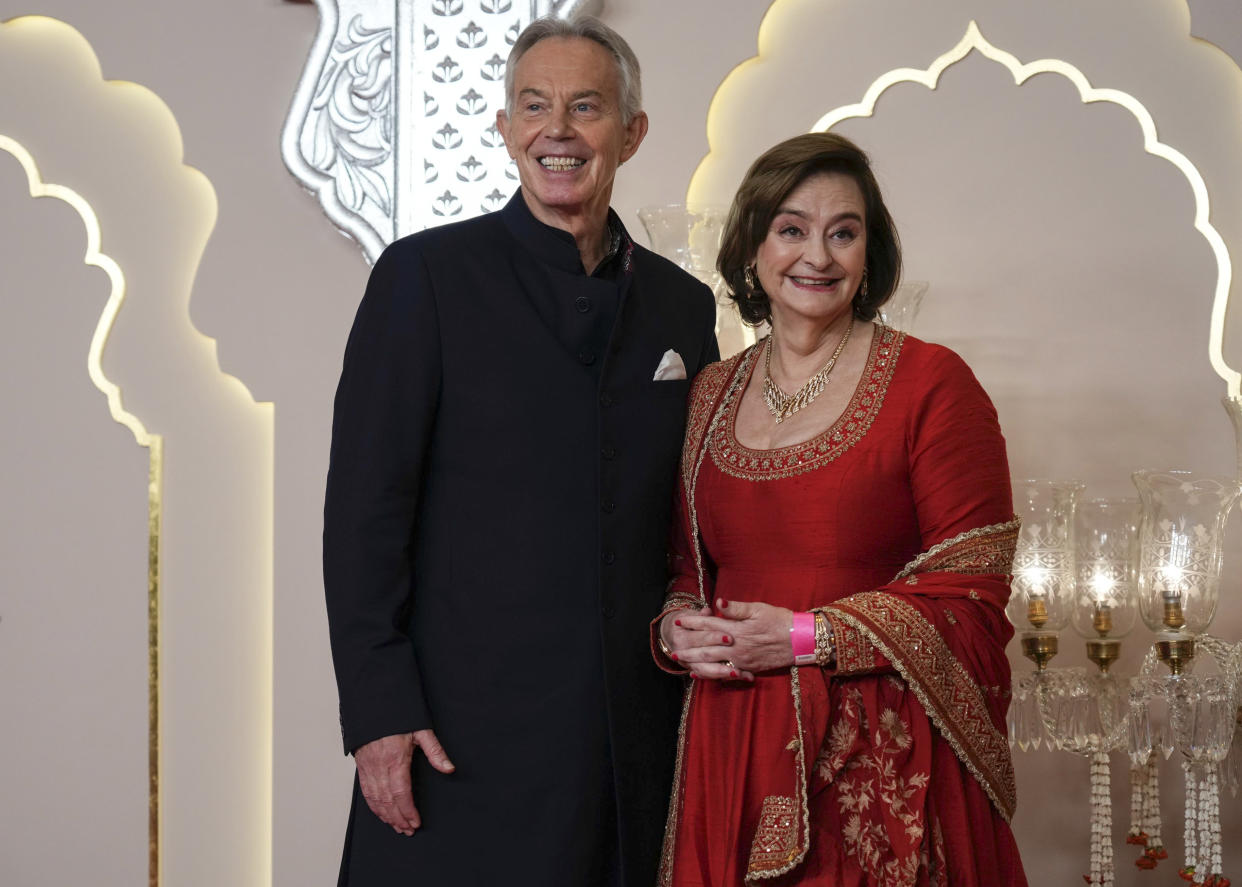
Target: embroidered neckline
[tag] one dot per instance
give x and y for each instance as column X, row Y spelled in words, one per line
column 739, row 460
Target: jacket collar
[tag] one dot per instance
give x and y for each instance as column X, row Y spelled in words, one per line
column 554, row 246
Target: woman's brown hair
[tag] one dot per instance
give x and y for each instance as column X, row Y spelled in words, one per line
column 770, row 179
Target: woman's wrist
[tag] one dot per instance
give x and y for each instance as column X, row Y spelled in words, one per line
column 802, row 638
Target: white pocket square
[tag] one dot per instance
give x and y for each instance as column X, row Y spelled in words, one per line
column 671, row 367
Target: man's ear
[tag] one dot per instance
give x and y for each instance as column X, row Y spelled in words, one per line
column 635, row 132
column 502, row 124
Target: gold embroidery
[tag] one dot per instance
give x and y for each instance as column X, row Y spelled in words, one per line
column 665, row 876
column 855, row 653
column 776, row 839
column 979, row 551
column 871, row 780
column 861, row 764
column 772, row 866
column 740, row 461
column 703, row 395
column 679, row 600
column 953, row 701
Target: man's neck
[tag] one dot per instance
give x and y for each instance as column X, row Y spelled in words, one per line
column 587, row 224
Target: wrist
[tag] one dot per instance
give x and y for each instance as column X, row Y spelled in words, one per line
column 802, row 638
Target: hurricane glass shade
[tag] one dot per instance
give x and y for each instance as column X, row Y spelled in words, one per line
column 688, row 236
column 1181, row 529
column 1106, row 565
column 1043, row 565
column 901, row 310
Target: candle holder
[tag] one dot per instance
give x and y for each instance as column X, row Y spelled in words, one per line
column 1043, row 565
column 1106, row 554
column 1180, row 545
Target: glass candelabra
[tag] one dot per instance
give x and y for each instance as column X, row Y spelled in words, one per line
column 1158, row 557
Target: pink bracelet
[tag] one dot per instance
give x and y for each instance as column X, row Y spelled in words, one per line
column 802, row 638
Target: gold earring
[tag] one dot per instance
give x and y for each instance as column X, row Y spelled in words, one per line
column 752, row 281
column 862, row 287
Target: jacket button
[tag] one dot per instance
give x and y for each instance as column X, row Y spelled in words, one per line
column 606, row 400
column 608, row 452
column 609, row 506
column 583, row 304
column 608, row 558
column 586, row 357
column 609, row 612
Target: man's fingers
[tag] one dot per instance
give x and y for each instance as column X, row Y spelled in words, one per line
column 406, row 813
column 436, row 756
column 387, row 811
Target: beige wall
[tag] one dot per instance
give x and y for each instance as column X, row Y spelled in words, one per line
column 1063, row 263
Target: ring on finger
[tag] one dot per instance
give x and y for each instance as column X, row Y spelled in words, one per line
column 728, row 663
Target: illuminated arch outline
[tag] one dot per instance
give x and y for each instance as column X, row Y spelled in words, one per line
column 155, row 468
column 974, row 40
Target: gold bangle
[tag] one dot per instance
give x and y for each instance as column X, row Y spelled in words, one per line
column 663, row 646
column 825, row 642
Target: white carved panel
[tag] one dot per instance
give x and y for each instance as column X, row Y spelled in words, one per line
column 393, row 121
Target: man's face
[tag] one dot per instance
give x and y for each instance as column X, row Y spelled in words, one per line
column 567, row 133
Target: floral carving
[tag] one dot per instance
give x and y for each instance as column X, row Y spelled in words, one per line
column 353, row 131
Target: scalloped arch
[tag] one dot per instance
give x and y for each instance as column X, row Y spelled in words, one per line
column 973, row 40
column 116, row 277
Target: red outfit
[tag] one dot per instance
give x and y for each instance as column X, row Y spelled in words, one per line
column 891, row 768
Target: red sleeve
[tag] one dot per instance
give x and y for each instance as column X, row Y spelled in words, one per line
column 959, row 477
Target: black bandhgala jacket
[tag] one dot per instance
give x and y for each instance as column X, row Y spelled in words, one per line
column 495, row 527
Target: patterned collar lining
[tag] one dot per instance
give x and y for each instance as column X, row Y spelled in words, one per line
column 620, row 250
column 740, row 461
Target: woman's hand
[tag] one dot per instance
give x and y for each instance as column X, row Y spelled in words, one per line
column 750, row 637
column 704, row 652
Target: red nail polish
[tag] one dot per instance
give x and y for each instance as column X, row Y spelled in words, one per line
column 733, row 674
column 693, row 676
column 724, row 605
column 677, row 622
column 724, row 639
column 672, row 656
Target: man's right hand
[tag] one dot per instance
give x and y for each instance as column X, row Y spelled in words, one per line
column 384, row 775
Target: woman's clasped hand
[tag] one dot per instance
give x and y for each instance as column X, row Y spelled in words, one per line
column 734, row 641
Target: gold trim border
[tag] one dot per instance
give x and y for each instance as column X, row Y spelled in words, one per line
column 154, row 443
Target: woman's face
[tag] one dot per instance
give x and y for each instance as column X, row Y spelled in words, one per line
column 811, row 262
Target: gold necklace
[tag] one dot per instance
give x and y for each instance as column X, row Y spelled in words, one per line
column 782, row 405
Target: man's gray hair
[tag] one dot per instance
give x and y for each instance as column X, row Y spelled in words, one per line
column 586, row 27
